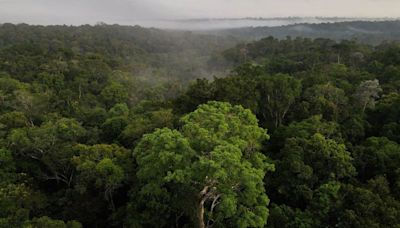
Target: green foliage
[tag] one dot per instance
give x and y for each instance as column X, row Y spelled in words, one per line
column 377, row 156
column 14, row 204
column 102, row 126
column 306, row 163
column 51, row 223
column 213, row 163
column 101, row 167
column 114, row 93
column 326, row 100
column 100, row 164
column 145, row 122
column 279, row 93
column 363, row 204
column 217, row 122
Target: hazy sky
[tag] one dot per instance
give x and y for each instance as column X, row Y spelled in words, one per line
column 128, row 11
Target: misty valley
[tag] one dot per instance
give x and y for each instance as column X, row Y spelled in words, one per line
column 283, row 122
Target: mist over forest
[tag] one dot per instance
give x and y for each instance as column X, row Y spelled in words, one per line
column 113, row 117
column 230, row 23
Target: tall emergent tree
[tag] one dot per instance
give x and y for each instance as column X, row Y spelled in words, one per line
column 366, row 94
column 278, row 92
column 209, row 172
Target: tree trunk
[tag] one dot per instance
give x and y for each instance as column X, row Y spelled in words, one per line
column 200, row 207
column 200, row 214
column 364, row 107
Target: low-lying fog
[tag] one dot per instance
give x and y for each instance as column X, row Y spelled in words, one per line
column 213, row 24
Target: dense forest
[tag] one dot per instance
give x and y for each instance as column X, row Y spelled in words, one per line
column 118, row 126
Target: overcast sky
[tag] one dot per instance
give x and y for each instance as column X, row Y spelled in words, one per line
column 129, row 11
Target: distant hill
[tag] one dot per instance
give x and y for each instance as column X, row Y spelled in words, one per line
column 371, row 32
